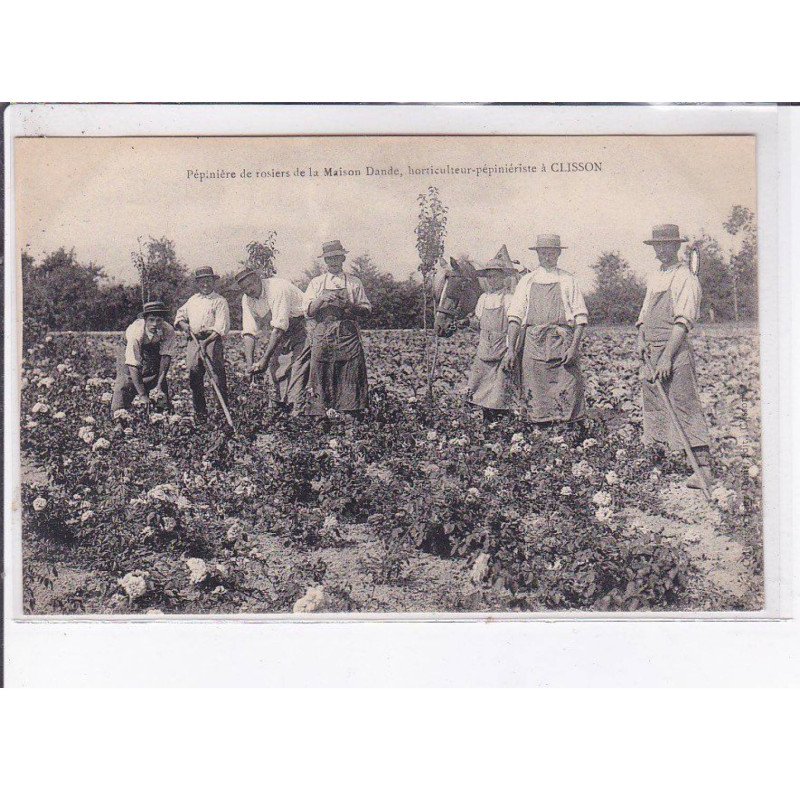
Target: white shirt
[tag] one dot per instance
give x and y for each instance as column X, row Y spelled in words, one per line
column 206, row 313
column 491, row 300
column 684, row 289
column 279, row 302
column 571, row 296
column 353, row 285
column 136, row 336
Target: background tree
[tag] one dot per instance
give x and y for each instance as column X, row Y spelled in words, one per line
column 618, row 293
column 743, row 264
column 317, row 268
column 60, row 292
column 261, row 255
column 162, row 275
column 431, row 229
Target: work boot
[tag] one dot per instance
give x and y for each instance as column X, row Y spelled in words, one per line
column 695, row 483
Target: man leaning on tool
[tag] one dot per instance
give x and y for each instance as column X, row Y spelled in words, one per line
column 671, row 308
column 207, row 316
column 276, row 305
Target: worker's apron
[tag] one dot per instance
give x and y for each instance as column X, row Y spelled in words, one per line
column 489, row 385
column 551, row 392
column 681, row 387
column 338, row 370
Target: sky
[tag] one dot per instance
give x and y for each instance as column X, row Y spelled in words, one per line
column 97, row 195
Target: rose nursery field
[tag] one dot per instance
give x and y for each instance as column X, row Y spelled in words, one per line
column 416, row 508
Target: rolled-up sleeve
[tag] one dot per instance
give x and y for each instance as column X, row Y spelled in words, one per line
column 182, row 315
column 479, row 306
column 222, row 317
column 280, row 307
column 133, row 347
column 169, row 344
column 250, row 325
column 517, row 308
column 576, row 305
column 360, row 296
column 686, row 296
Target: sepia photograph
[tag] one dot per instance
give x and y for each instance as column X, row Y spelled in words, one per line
column 315, row 376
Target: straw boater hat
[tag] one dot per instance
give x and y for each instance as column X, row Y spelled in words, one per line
column 154, row 308
column 333, row 248
column 548, row 240
column 205, row 272
column 502, row 261
column 666, row 233
column 243, row 274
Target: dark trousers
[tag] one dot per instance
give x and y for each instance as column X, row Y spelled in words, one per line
column 215, row 352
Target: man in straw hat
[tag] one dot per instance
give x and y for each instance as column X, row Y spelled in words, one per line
column 273, row 304
column 671, row 308
column 144, row 359
column 547, row 317
column 207, row 316
column 335, row 301
column 490, row 387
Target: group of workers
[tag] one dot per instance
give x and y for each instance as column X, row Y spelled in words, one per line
column 529, row 350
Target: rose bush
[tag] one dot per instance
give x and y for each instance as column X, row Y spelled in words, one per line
column 546, row 509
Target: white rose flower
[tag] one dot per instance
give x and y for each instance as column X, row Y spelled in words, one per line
column 312, row 600
column 587, row 443
column 86, row 516
column 40, row 408
column 169, row 524
column 198, row 570
column 753, row 471
column 330, row 521
column 612, row 478
column 39, row 504
column 59, row 415
column 518, row 438
column 121, row 413
column 134, row 584
column 566, row 491
column 490, row 473
column 620, row 454
column 601, row 498
column 431, row 436
column 101, row 444
column 89, row 420
column 333, row 444
column 106, row 397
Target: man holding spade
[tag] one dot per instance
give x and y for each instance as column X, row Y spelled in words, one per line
column 205, row 315
column 670, row 310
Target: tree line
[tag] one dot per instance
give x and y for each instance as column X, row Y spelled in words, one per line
column 62, row 293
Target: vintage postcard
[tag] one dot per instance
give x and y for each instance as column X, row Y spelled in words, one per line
column 388, row 375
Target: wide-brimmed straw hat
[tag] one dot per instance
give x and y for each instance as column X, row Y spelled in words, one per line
column 243, row 274
column 548, row 240
column 205, row 272
column 333, row 248
column 666, row 233
column 153, row 308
